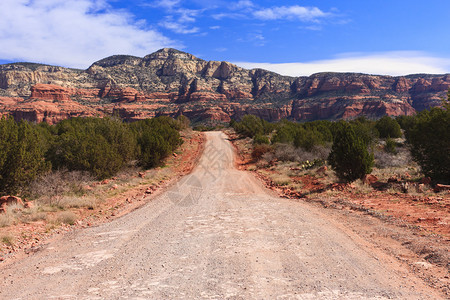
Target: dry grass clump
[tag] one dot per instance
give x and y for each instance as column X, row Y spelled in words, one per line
column 33, row 214
column 384, row 159
column 361, row 188
column 12, row 214
column 38, row 216
column 48, row 189
column 260, row 150
column 65, row 217
column 7, row 239
column 287, row 152
column 326, row 177
column 280, row 179
column 6, row 219
column 66, row 202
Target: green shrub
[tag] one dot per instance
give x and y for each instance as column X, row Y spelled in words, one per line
column 260, row 139
column 308, row 139
column 388, row 128
column 157, row 138
column 349, row 157
column 183, row 122
column 364, row 129
column 21, row 155
column 251, row 125
column 429, row 140
column 101, row 146
column 405, row 122
column 203, row 128
column 284, row 135
column 391, row 146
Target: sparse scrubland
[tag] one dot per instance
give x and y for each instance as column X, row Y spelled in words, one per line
column 85, row 169
column 99, row 146
column 395, row 169
column 353, row 148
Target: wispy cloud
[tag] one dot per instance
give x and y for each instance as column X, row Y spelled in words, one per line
column 295, row 12
column 72, row 33
column 178, row 20
column 313, row 27
column 187, row 15
column 242, row 4
column 178, row 27
column 248, row 10
column 230, row 15
column 256, row 38
column 388, row 63
column 168, row 4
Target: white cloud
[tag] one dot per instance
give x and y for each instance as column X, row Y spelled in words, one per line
column 290, row 12
column 389, row 63
column 187, row 15
column 72, row 33
column 168, row 4
column 178, row 27
column 221, row 16
column 242, row 4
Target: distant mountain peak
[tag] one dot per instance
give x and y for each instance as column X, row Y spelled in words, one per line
column 114, row 60
column 170, row 53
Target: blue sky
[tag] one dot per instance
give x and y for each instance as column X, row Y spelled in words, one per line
column 295, row 38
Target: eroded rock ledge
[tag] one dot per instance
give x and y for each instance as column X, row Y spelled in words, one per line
column 170, row 82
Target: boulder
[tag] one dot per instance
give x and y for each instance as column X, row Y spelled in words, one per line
column 369, row 179
column 441, row 187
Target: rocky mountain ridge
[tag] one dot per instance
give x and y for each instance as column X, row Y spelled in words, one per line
column 171, row 82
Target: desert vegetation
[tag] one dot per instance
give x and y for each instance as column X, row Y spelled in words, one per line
column 59, row 198
column 352, row 148
column 394, row 169
column 101, row 147
column 67, row 167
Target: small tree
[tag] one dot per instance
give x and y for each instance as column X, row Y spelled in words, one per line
column 349, row 156
column 101, row 146
column 388, row 128
column 259, row 139
column 429, row 140
column 21, row 155
column 183, row 122
column 391, row 146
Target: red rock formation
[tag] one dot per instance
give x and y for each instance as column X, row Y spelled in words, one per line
column 169, row 81
column 51, row 112
column 50, row 92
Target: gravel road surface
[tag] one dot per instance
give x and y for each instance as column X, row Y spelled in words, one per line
column 216, row 234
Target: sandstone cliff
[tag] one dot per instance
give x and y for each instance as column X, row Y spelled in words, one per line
column 171, row 82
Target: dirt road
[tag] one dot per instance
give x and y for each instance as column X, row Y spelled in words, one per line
column 216, row 234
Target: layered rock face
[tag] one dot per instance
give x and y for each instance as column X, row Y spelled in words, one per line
column 171, row 82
